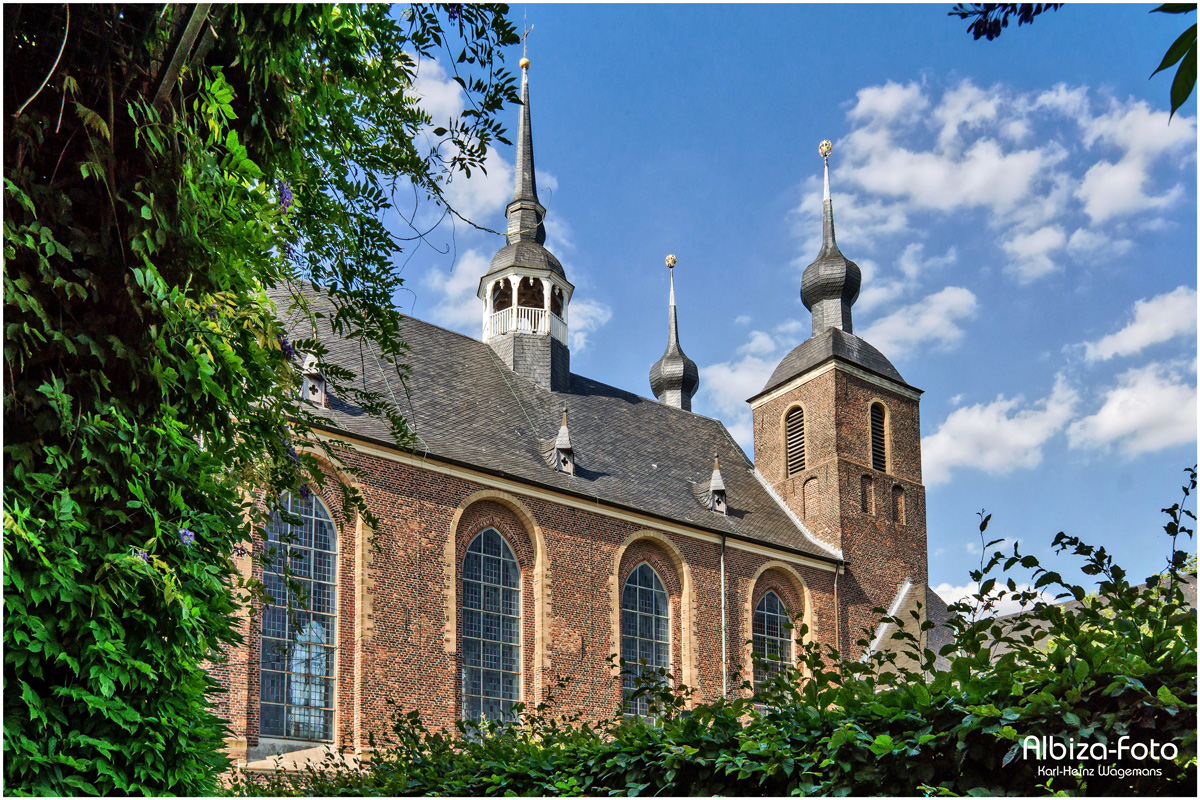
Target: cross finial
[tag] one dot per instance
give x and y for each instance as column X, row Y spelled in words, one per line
column 525, row 41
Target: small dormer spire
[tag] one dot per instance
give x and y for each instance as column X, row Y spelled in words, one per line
column 564, row 454
column 716, row 489
column 674, row 378
column 312, row 383
column 830, row 284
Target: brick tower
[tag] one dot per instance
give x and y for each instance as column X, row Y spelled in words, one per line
column 837, row 434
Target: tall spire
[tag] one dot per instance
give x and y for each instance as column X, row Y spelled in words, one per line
column 674, row 378
column 525, row 213
column 830, row 284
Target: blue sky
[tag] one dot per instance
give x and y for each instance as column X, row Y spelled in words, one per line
column 1024, row 216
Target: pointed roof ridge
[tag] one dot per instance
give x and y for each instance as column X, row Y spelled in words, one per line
column 716, row 483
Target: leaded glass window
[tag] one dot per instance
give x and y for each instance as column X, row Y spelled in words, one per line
column 645, row 631
column 296, row 697
column 491, row 628
column 772, row 637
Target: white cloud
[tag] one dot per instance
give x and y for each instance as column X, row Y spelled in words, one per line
column 952, row 594
column 912, row 265
column 457, row 306
column 585, row 316
column 1155, row 320
column 1112, row 189
column 933, row 319
column 1031, row 253
column 484, row 193
column 742, row 319
column 1085, row 242
column 889, row 103
column 760, row 344
column 998, row 437
column 983, row 176
column 1149, row 409
column 438, row 94
column 966, row 105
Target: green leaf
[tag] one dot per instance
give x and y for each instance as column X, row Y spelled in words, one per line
column 1185, row 42
column 1185, row 80
column 882, row 745
column 1175, row 8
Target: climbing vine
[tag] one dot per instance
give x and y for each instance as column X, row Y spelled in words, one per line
column 174, row 176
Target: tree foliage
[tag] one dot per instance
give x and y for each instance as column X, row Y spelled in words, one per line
column 989, row 19
column 168, row 171
column 901, row 722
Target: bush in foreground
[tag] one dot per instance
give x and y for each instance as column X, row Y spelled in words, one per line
column 1118, row 669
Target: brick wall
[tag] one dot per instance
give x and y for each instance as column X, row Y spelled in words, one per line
column 399, row 624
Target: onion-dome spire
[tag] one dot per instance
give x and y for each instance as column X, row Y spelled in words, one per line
column 830, row 284
column 525, row 213
column 674, row 378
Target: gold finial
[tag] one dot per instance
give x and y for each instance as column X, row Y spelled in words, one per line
column 671, row 261
column 564, row 422
column 825, row 148
column 716, row 463
column 525, row 43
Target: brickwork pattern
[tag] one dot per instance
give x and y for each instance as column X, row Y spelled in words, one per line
column 880, row 552
column 393, row 620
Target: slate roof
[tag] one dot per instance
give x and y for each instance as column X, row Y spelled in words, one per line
column 833, row 343
column 465, row 406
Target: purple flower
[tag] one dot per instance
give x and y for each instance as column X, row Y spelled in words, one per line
column 143, row 555
column 286, row 347
column 186, row 536
column 304, row 492
column 285, row 196
column 241, row 550
column 454, row 11
column 293, row 455
column 212, row 312
column 289, row 251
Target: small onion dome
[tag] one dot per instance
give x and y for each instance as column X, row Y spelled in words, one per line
column 674, row 378
column 831, row 282
column 524, row 63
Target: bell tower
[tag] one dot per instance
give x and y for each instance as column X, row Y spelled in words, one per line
column 837, row 435
column 525, row 292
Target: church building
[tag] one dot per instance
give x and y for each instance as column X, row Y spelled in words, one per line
column 545, row 521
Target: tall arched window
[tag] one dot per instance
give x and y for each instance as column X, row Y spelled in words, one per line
column 645, row 630
column 491, row 628
column 772, row 637
column 878, row 437
column 794, row 427
column 296, row 696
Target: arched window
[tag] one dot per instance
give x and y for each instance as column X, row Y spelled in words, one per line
column 501, row 295
column 645, row 630
column 878, row 437
column 299, row 625
column 529, row 293
column 898, row 504
column 794, row 427
column 772, row 637
column 491, row 628
column 556, row 302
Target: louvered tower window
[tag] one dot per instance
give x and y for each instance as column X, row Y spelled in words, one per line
column 794, row 425
column 878, row 443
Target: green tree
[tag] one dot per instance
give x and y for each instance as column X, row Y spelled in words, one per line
column 989, row 19
column 168, row 171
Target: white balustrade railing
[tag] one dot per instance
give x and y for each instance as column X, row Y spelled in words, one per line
column 526, row 320
column 558, row 328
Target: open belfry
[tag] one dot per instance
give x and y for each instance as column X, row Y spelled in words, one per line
column 545, row 521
